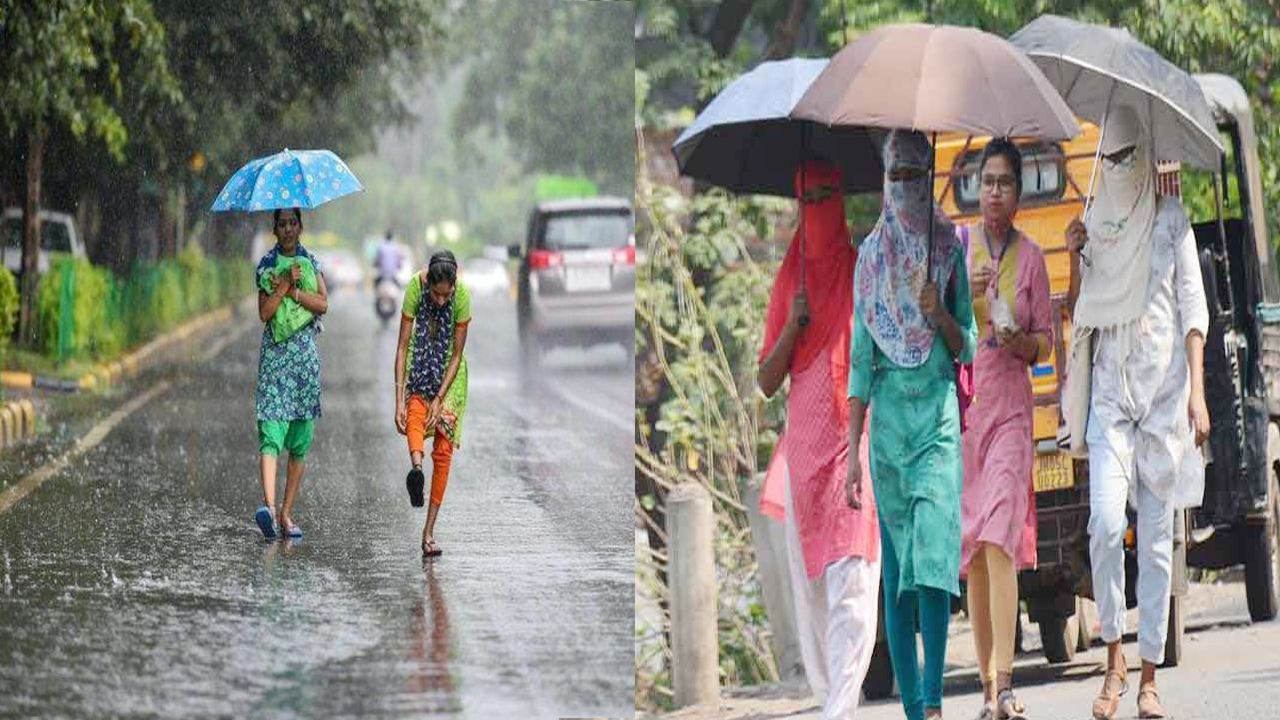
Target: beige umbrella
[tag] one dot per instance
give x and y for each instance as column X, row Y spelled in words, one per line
column 937, row 78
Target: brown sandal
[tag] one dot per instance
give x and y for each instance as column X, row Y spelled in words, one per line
column 1106, row 704
column 1149, row 702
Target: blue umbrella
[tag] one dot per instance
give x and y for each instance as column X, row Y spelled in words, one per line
column 293, row 178
column 744, row 140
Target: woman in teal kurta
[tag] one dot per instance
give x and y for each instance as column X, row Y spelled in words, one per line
column 910, row 328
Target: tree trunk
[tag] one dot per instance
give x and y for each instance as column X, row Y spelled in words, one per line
column 31, row 234
column 166, row 227
column 180, row 216
column 787, row 32
column 727, row 25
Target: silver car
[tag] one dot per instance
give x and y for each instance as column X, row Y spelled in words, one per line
column 577, row 277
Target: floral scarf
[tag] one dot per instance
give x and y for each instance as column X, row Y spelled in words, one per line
column 891, row 261
column 432, row 331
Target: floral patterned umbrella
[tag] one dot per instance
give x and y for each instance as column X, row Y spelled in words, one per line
column 293, row 178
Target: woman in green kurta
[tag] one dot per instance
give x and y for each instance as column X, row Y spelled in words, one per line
column 287, row 402
column 910, row 328
column 433, row 336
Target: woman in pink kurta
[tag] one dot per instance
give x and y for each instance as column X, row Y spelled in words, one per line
column 1013, row 312
column 833, row 550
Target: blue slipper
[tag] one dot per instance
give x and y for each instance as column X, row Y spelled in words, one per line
column 293, row 532
column 266, row 522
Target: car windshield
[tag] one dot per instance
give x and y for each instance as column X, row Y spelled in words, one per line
column 586, row 231
column 53, row 235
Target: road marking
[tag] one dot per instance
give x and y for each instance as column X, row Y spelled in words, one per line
column 583, row 405
column 97, row 434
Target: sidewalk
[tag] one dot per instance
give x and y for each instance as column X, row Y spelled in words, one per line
column 104, row 376
column 25, row 409
column 1216, row 612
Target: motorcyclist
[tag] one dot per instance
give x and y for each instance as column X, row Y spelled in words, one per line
column 388, row 261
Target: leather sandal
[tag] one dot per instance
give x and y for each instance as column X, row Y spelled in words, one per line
column 1106, row 704
column 1149, row 702
column 1008, row 707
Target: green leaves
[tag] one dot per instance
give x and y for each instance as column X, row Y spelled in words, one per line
column 553, row 76
column 700, row 303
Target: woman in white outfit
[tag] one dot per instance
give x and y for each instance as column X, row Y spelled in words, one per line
column 833, row 548
column 1135, row 282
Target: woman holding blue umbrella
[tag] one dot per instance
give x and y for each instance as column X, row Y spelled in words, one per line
column 287, row 402
column 291, row 298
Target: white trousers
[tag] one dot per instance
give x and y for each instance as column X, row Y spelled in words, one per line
column 1112, row 468
column 836, row 622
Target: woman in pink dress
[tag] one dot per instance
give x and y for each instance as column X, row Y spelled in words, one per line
column 833, row 550
column 1011, row 306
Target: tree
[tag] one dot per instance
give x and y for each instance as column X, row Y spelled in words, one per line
column 262, row 75
column 65, row 62
column 251, row 78
column 555, row 77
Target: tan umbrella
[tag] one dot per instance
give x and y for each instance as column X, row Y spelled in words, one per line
column 937, row 78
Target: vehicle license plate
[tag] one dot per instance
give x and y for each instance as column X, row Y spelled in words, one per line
column 587, row 278
column 1053, row 471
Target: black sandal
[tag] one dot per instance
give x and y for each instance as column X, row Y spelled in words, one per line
column 414, row 483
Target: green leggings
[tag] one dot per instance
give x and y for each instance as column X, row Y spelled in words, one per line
column 932, row 608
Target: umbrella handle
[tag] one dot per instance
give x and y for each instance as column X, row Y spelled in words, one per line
column 1097, row 154
column 928, row 261
column 1097, row 158
column 804, row 136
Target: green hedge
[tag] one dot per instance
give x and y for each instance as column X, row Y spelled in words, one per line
column 9, row 300
column 109, row 315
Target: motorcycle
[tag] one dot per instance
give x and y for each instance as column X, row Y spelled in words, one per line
column 385, row 298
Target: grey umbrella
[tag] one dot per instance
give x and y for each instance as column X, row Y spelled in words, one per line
column 744, row 140
column 1097, row 68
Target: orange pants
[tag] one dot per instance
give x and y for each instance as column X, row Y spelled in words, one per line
column 441, row 451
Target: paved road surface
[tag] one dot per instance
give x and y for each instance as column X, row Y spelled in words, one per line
column 133, row 582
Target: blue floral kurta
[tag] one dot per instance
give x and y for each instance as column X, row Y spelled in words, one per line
column 289, row 371
column 915, row 444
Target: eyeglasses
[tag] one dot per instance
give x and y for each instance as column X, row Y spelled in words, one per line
column 1001, row 183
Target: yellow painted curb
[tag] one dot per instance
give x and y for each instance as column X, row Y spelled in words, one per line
column 8, row 433
column 17, row 379
column 28, row 410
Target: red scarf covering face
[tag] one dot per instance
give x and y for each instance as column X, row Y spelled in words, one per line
column 829, row 262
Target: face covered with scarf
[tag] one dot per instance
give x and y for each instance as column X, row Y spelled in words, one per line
column 1113, row 283
column 891, row 261
column 827, row 257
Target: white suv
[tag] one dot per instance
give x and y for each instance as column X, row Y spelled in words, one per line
column 57, row 234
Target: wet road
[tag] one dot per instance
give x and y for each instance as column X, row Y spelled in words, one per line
column 133, row 582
